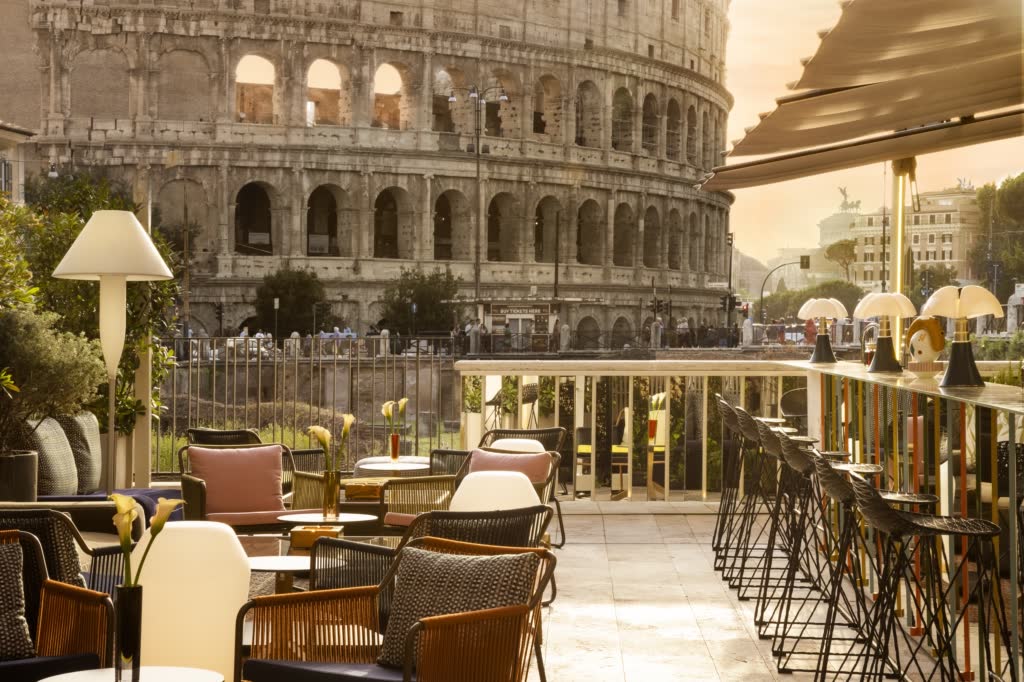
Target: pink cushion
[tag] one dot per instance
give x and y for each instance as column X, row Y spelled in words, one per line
column 239, row 480
column 398, row 519
column 537, row 467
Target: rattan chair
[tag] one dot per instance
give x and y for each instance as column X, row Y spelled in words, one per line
column 552, row 438
column 59, row 536
column 72, row 627
column 401, row 499
column 447, row 462
column 338, row 631
column 215, row 437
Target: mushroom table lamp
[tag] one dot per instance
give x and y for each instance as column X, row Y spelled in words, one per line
column 823, row 309
column 115, row 249
column 884, row 306
column 962, row 304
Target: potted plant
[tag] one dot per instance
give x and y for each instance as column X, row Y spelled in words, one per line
column 46, row 373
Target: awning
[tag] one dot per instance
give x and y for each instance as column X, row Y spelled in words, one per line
column 925, row 140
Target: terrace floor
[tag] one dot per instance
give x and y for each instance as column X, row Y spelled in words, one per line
column 638, row 600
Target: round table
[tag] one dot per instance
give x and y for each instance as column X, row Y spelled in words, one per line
column 407, row 465
column 320, row 519
column 284, row 568
column 147, row 673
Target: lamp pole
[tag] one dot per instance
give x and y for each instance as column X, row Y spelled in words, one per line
column 728, row 313
column 764, row 317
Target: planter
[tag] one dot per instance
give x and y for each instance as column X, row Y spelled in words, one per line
column 19, row 471
column 128, row 633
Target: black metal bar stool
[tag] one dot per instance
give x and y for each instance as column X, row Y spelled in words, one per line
column 732, row 467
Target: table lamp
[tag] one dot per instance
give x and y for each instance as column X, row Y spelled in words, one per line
column 884, row 306
column 823, row 309
column 962, row 304
column 113, row 248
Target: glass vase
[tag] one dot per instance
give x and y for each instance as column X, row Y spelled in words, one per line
column 332, row 491
column 652, row 429
column 395, row 447
column 128, row 632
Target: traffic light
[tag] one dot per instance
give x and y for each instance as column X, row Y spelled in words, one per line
column 662, row 306
column 726, row 301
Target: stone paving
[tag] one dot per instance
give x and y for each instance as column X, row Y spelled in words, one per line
column 639, row 601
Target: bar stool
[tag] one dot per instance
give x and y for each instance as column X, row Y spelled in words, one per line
column 919, row 532
column 732, row 466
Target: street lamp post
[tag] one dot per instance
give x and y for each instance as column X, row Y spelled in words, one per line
column 479, row 99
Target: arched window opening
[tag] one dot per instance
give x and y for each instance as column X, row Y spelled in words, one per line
column 624, row 231
column 694, row 243
column 546, row 230
column 650, row 123
column 441, row 106
column 673, row 130
column 453, row 237
column 502, row 244
column 501, row 114
column 386, row 226
column 691, row 136
column 390, row 105
column 706, row 137
column 710, row 252
column 590, row 233
column 325, row 100
column 588, row 115
column 442, row 229
column 652, row 238
column 547, row 107
column 675, row 248
column 622, row 333
column 253, row 233
column 254, row 90
column 322, row 221
column 622, row 121
column 588, row 334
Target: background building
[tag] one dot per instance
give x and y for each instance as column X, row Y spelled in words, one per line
column 339, row 137
column 12, row 159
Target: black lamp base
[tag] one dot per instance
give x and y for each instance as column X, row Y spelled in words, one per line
column 885, row 357
column 961, row 370
column 823, row 350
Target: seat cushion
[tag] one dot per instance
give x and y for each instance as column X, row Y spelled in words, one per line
column 536, row 466
column 83, row 434
column 399, row 519
column 15, row 640
column 57, row 472
column 34, row 669
column 517, row 445
column 434, row 584
column 239, row 479
column 256, row 670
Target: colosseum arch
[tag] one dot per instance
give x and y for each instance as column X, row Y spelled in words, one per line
column 623, row 235
column 254, row 221
column 652, row 238
column 328, row 230
column 92, row 67
column 588, row 115
column 691, row 136
column 650, row 125
column 180, row 198
column 444, row 86
column 255, row 100
column 673, row 130
column 392, row 97
column 393, row 232
column 547, row 108
column 694, row 242
column 622, row 121
column 453, row 226
column 183, row 87
column 327, row 95
column 590, row 233
column 503, row 220
column 675, row 241
column 546, row 229
column 501, row 119
column 622, row 333
column 588, row 334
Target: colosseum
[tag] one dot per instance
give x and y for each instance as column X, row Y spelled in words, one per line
column 500, row 139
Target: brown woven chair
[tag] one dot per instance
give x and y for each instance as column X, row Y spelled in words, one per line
column 329, row 631
column 226, row 437
column 401, row 499
column 552, row 438
column 72, row 626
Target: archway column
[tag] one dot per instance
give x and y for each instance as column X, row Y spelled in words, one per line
column 363, row 247
column 639, row 242
column 609, row 232
column 567, row 252
column 292, row 238
column 528, row 242
column 423, row 249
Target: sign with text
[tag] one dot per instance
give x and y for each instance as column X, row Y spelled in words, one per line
column 525, row 310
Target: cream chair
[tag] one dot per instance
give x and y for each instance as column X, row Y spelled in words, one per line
column 494, row 491
column 195, row 580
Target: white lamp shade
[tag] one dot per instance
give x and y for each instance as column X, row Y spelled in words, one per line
column 113, row 243
column 888, row 304
column 494, row 491
column 969, row 301
column 821, row 307
column 195, row 580
column 840, row 308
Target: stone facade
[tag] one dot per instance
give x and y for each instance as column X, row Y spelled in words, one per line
column 614, row 109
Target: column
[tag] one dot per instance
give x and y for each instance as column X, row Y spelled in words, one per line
column 292, row 239
column 426, row 104
column 423, row 250
column 226, row 100
column 567, row 230
column 364, row 229
column 609, row 223
column 527, row 245
column 362, row 86
column 638, row 242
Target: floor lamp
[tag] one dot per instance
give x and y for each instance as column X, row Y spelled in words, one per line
column 114, row 249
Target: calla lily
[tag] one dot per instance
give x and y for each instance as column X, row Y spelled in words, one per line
column 347, row 420
column 123, row 503
column 388, row 409
column 322, row 435
column 123, row 522
column 401, row 407
column 164, row 507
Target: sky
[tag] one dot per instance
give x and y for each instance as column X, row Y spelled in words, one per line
column 767, row 39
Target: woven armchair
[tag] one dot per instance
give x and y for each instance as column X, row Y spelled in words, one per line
column 72, row 626
column 401, row 499
column 444, row 462
column 58, row 537
column 552, row 438
column 225, row 437
column 342, row 626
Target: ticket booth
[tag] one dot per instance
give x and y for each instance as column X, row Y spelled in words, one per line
column 519, row 327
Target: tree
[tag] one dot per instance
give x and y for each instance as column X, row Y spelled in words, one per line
column 927, row 280
column 787, row 304
column 999, row 260
column 298, row 291
column 433, row 295
column 16, row 290
column 843, row 253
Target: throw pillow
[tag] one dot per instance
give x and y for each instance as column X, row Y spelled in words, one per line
column 15, row 640
column 83, row 433
column 57, row 472
column 239, row 479
column 434, row 584
column 536, row 466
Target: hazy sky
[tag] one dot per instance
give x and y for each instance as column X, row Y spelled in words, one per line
column 766, row 42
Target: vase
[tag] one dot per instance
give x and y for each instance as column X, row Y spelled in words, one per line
column 128, row 632
column 395, row 447
column 652, row 429
column 332, row 491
